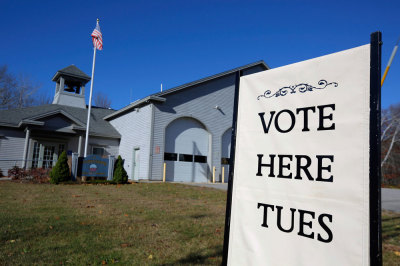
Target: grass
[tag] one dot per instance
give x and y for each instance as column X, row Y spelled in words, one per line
column 391, row 238
column 137, row 224
column 155, row 224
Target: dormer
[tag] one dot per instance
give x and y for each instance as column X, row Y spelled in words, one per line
column 70, row 87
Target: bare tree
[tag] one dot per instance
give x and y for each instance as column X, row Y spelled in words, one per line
column 43, row 98
column 24, row 92
column 101, row 100
column 16, row 92
column 390, row 138
column 7, row 85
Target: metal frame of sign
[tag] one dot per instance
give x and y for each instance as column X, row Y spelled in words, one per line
column 374, row 159
column 375, row 151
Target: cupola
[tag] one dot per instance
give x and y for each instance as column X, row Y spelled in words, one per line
column 70, row 87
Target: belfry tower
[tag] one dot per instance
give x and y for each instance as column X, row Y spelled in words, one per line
column 70, row 87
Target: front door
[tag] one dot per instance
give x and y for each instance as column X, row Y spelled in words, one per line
column 136, row 161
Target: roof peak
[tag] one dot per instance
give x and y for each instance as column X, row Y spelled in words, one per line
column 73, row 71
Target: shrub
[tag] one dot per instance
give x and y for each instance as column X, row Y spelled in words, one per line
column 60, row 172
column 39, row 175
column 17, row 173
column 120, row 175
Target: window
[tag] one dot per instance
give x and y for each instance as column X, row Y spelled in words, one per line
column 61, row 148
column 45, row 154
column 185, row 157
column 200, row 159
column 224, row 160
column 35, row 157
column 48, row 156
column 98, row 151
column 170, row 156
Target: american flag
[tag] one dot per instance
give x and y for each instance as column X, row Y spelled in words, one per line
column 97, row 37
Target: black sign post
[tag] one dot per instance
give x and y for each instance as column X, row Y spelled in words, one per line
column 375, row 151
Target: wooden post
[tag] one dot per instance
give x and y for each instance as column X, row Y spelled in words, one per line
column 223, row 174
column 165, row 167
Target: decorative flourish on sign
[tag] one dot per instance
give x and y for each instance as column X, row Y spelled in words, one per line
column 302, row 87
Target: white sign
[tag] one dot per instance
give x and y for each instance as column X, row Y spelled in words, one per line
column 301, row 176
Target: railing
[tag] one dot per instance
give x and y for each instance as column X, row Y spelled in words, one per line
column 45, row 162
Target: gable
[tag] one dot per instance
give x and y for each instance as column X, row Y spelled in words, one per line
column 58, row 123
column 57, row 113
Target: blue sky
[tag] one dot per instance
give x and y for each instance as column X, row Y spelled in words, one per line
column 147, row 43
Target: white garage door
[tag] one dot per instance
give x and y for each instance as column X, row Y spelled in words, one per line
column 186, row 151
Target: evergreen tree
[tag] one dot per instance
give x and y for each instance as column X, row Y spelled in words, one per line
column 60, row 172
column 120, row 175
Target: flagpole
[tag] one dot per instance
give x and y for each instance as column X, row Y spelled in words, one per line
column 390, row 61
column 90, row 101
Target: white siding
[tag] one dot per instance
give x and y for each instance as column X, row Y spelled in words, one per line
column 135, row 130
column 11, row 148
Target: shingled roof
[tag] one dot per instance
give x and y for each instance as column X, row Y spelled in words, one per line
column 30, row 115
column 73, row 71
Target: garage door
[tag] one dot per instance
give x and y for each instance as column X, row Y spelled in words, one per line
column 226, row 152
column 186, row 151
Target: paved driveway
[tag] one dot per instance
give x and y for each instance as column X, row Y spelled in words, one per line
column 390, row 197
column 211, row 185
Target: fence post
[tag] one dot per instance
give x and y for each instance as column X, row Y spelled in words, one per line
column 74, row 165
column 110, row 167
column 223, row 174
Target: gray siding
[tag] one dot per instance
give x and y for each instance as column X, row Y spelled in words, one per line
column 74, row 100
column 73, row 143
column 135, row 130
column 110, row 145
column 11, row 148
column 198, row 102
column 12, row 143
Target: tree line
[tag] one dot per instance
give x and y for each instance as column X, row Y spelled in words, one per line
column 390, row 138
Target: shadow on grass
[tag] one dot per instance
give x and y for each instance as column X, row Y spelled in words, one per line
column 390, row 219
column 198, row 216
column 202, row 257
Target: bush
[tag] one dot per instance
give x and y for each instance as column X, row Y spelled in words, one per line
column 39, row 175
column 60, row 172
column 17, row 173
column 120, row 175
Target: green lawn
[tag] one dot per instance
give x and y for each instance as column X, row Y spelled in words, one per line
column 160, row 224
column 139, row 224
column 391, row 238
